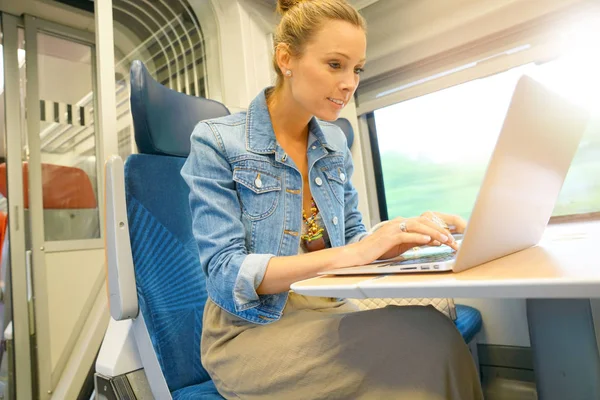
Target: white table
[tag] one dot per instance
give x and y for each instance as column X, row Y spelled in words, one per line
column 565, row 265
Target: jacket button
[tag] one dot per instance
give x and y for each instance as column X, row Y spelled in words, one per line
column 318, row 181
column 258, row 183
column 343, row 176
column 335, row 220
column 284, row 158
column 314, row 147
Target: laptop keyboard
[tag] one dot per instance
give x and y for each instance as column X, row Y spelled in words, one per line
column 430, row 258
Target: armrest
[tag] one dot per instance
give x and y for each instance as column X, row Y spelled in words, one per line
column 126, row 352
column 121, row 276
column 118, row 354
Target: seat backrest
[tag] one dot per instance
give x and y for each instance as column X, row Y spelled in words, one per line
column 346, row 127
column 69, row 201
column 170, row 282
column 62, row 187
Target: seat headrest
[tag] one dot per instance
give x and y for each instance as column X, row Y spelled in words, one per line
column 346, row 127
column 164, row 119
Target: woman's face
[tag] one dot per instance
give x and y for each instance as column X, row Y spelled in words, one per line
column 325, row 76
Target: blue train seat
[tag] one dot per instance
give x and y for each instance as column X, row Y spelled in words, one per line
column 346, row 127
column 170, row 282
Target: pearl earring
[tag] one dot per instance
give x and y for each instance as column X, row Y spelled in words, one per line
column 288, row 73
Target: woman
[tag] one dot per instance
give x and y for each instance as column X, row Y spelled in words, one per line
column 272, row 204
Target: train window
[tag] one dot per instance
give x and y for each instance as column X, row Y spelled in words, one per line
column 67, row 139
column 433, row 149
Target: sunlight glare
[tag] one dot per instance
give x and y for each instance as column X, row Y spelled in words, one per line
column 460, row 124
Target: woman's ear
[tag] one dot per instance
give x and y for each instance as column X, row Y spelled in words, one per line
column 283, row 57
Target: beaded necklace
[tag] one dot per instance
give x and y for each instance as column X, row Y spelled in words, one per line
column 313, row 239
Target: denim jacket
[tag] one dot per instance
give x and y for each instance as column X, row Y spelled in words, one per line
column 246, row 203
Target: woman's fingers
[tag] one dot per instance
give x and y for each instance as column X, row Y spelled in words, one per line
column 403, row 233
column 433, row 217
column 433, row 230
column 446, row 237
column 428, row 228
column 416, row 238
column 456, row 220
column 437, row 232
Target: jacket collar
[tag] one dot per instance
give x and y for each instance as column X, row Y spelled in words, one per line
column 260, row 137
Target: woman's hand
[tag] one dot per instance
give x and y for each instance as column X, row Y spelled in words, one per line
column 401, row 234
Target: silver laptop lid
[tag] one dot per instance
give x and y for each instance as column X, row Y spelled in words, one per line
column 539, row 139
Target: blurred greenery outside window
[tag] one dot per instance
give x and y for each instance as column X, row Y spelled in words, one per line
column 435, row 148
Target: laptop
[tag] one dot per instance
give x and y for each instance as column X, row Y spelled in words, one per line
column 539, row 138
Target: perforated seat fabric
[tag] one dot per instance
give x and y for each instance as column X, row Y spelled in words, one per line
column 468, row 321
column 170, row 282
column 203, row 391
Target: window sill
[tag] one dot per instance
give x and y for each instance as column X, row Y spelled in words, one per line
column 565, row 219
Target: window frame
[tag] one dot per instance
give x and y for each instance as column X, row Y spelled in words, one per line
column 377, row 183
column 377, row 167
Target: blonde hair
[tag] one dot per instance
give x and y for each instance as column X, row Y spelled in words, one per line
column 301, row 19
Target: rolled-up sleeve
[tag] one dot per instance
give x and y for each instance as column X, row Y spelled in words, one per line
column 233, row 275
column 355, row 229
column 250, row 275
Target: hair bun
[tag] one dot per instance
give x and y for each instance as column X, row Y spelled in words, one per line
column 283, row 6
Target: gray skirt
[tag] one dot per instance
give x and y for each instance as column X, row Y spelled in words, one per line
column 323, row 348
